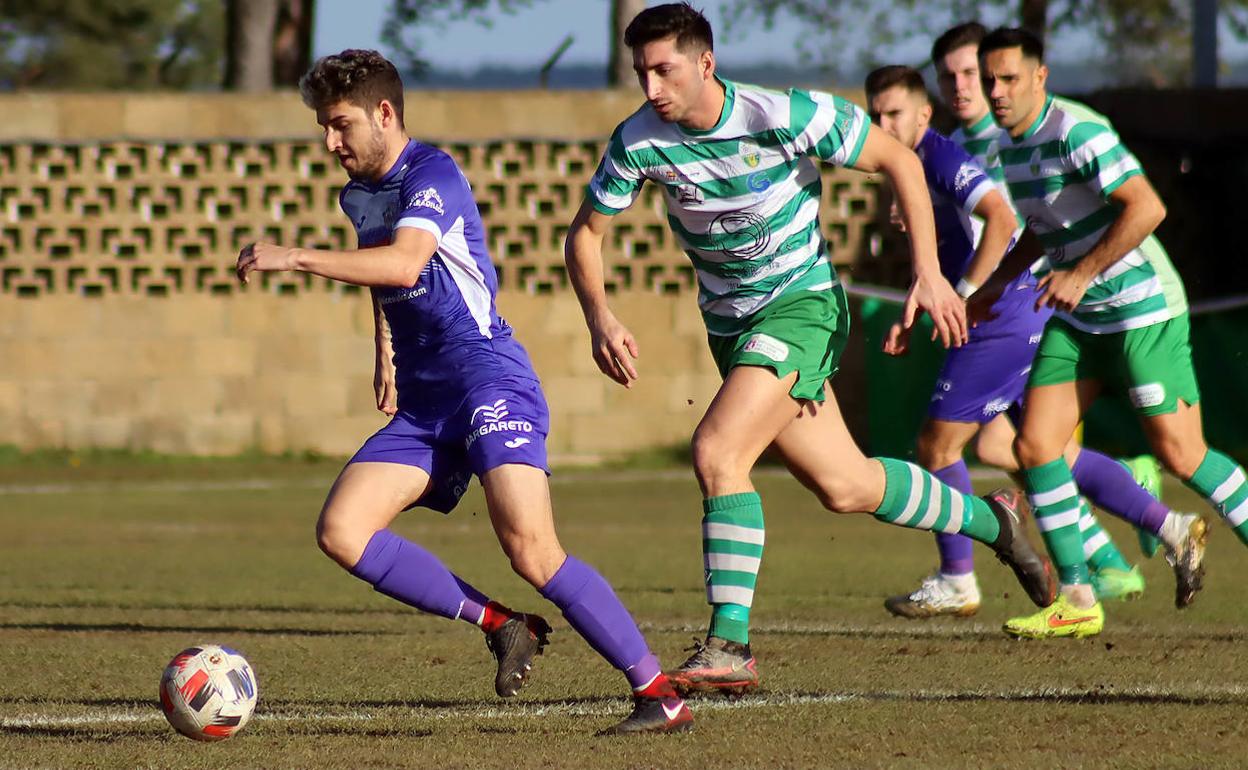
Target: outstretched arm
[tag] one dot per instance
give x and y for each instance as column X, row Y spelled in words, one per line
column 613, row 345
column 397, row 264
column 929, row 290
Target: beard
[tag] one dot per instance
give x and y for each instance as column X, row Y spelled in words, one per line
column 370, row 158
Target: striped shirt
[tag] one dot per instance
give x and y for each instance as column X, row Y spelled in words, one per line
column 742, row 197
column 1060, row 174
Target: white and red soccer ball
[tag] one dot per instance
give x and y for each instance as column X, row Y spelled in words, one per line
column 208, row 692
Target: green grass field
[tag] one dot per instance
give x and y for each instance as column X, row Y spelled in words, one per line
column 108, row 568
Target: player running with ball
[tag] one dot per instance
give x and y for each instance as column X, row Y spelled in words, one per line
column 468, row 400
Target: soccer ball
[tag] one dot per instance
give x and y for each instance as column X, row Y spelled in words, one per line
column 208, row 692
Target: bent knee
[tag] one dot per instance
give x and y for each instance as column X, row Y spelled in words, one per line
column 717, row 463
column 847, row 493
column 342, row 543
column 533, row 556
column 1033, row 451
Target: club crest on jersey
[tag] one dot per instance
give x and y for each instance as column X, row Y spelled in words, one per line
column 427, row 198
column 750, row 153
column 966, row 174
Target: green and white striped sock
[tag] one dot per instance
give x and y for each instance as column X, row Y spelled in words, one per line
column 916, row 499
column 1099, row 550
column 732, row 550
column 1221, row 481
column 1054, row 499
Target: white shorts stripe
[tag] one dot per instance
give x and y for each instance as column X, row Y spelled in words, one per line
column 1065, row 518
column 729, row 595
column 717, row 531
column 916, row 492
column 956, row 511
column 1239, row 515
column 933, row 506
column 1063, row 492
column 1094, row 544
column 732, row 561
column 1228, row 487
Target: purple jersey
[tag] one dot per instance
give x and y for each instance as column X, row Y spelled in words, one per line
column 957, row 184
column 448, row 337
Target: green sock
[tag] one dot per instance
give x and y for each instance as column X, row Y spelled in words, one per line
column 732, row 549
column 1054, row 498
column 916, row 499
column 1221, row 481
column 1099, row 550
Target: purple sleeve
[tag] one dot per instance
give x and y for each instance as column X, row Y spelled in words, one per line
column 956, row 175
column 434, row 195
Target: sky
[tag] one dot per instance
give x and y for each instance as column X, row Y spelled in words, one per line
column 525, row 38
column 528, row 37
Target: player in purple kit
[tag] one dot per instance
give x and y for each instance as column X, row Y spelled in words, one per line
column 985, row 378
column 468, row 401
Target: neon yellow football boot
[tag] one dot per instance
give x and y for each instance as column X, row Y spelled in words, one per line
column 1111, row 583
column 1061, row 618
column 1147, row 473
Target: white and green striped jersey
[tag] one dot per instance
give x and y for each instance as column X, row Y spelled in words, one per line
column 742, row 197
column 1060, row 174
column 982, row 141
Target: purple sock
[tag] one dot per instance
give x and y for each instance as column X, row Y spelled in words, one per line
column 591, row 607
column 957, row 553
column 403, row 570
column 1110, row 487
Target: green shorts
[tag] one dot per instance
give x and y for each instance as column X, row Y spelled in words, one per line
column 1153, row 364
column 804, row 332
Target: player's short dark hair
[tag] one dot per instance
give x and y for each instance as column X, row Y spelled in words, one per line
column 1013, row 37
column 358, row 76
column 880, row 80
column 679, row 20
column 970, row 33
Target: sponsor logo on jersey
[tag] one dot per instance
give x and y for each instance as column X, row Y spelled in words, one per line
column 492, row 419
column 743, row 234
column 758, row 181
column 689, row 193
column 427, row 198
column 402, row 295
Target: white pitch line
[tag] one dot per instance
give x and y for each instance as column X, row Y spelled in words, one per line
column 243, row 485
column 767, row 701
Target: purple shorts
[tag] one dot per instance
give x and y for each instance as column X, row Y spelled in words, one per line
column 988, row 375
column 500, row 423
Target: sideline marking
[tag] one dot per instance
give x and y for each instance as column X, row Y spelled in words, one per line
column 1200, row 695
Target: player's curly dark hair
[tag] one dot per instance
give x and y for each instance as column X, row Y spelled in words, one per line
column 362, row 77
column 679, row 20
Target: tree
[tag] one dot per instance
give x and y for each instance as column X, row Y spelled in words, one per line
column 1142, row 40
column 620, row 65
column 406, row 19
column 110, row 44
column 269, row 43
